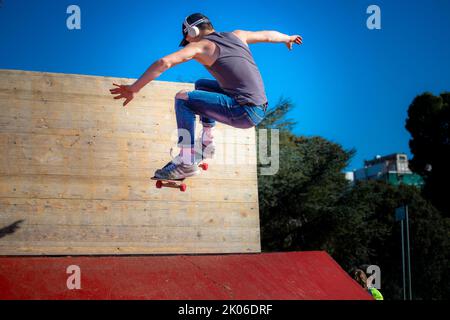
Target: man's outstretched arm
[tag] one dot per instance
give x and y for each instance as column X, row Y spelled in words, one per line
column 155, row 70
column 268, row 36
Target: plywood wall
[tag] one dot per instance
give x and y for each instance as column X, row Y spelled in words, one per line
column 75, row 168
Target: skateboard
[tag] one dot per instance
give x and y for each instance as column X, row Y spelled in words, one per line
column 176, row 183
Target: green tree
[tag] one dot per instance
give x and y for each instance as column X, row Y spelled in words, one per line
column 308, row 205
column 307, row 185
column 428, row 123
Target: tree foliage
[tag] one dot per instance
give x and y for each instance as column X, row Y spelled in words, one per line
column 307, row 185
column 309, row 205
column 428, row 123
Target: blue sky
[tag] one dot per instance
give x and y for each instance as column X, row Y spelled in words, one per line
column 349, row 84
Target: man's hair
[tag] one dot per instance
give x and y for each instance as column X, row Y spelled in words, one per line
column 205, row 26
column 360, row 277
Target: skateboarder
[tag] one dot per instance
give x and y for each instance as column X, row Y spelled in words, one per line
column 237, row 97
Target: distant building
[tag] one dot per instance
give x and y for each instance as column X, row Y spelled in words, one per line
column 393, row 168
column 350, row 176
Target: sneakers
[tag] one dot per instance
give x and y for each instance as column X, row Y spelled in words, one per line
column 177, row 170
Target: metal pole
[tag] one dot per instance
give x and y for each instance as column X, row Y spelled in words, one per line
column 403, row 261
column 409, row 253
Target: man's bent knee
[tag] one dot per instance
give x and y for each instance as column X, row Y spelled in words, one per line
column 183, row 95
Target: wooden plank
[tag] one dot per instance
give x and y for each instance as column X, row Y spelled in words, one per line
column 83, row 142
column 133, row 234
column 101, row 97
column 80, row 248
column 235, row 164
column 82, row 146
column 75, row 167
column 60, row 82
column 83, row 90
column 129, row 213
column 119, row 130
column 167, row 136
column 157, row 108
column 106, row 126
column 114, row 188
column 47, row 86
column 155, row 112
column 215, row 172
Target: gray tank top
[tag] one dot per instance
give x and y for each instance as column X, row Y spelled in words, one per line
column 235, row 70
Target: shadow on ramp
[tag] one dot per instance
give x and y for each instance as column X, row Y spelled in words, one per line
column 10, row 229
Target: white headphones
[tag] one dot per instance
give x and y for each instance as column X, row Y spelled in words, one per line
column 192, row 29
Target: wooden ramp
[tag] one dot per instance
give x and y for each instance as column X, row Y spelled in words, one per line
column 75, row 168
column 276, row 276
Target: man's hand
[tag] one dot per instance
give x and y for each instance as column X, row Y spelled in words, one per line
column 293, row 39
column 123, row 91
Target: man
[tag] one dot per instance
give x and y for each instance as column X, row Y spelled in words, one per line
column 237, row 96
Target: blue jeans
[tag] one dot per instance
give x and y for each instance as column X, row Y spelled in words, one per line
column 212, row 104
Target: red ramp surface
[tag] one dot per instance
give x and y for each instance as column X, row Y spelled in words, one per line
column 290, row 275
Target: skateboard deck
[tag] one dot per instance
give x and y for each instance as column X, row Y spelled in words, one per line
column 176, row 183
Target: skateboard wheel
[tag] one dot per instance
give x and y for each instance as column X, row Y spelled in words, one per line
column 204, row 166
column 159, row 184
column 182, row 187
